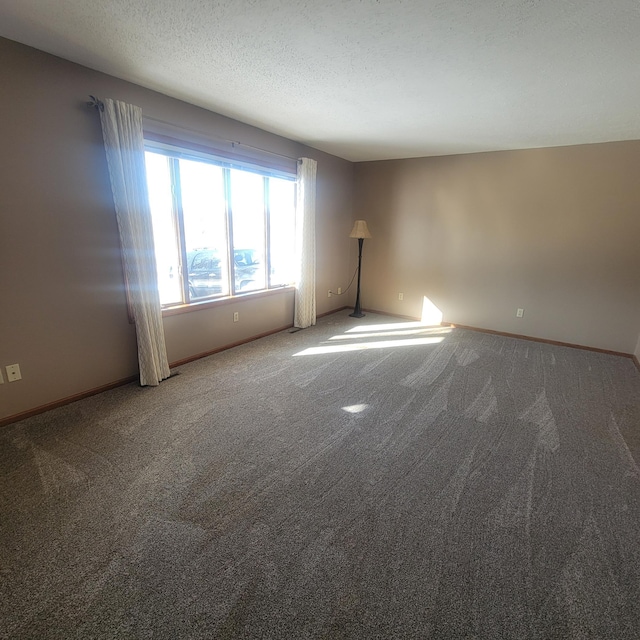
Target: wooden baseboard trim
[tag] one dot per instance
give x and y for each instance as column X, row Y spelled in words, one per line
column 118, row 383
column 516, row 335
column 205, row 354
column 328, row 313
column 542, row 340
column 392, row 315
column 68, row 400
column 225, row 347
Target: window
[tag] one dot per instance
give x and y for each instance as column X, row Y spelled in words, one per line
column 219, row 229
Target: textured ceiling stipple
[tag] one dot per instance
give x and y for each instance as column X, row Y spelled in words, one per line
column 367, row 79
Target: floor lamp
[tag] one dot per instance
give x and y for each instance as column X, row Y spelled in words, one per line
column 361, row 232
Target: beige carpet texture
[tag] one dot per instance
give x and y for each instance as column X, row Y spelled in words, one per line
column 363, row 478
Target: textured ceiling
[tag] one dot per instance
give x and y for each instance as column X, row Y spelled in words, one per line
column 367, row 79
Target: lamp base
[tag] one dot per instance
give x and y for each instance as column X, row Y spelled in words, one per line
column 357, row 314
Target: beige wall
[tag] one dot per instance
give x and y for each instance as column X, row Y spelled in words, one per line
column 63, row 315
column 553, row 231
column 637, row 351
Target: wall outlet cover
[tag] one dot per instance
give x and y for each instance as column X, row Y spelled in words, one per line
column 13, row 372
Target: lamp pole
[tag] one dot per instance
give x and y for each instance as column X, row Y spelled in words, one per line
column 360, row 231
column 357, row 310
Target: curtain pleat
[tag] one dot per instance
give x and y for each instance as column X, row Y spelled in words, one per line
column 305, row 296
column 124, row 147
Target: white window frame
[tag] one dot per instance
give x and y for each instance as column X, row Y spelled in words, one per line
column 226, row 163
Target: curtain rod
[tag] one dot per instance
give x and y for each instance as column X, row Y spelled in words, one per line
column 95, row 103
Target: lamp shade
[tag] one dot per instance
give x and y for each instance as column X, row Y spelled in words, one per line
column 360, row 230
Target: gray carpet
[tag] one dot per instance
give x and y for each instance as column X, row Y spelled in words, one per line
column 440, row 484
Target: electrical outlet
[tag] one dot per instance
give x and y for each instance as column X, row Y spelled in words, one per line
column 519, row 313
column 339, row 290
column 329, row 293
column 236, row 316
column 401, row 296
column 13, row 372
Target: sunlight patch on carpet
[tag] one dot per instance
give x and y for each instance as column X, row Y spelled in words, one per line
column 363, row 346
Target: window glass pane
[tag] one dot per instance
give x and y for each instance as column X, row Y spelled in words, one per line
column 205, row 228
column 195, row 254
column 247, row 207
column 164, row 236
column 282, row 219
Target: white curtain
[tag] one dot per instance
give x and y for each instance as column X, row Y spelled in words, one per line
column 124, row 146
column 305, row 297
